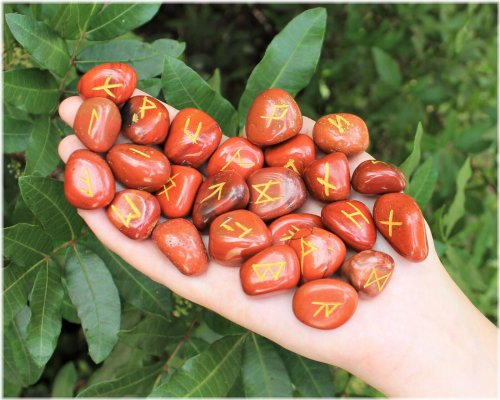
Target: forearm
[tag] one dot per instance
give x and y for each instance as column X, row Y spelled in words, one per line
column 452, row 350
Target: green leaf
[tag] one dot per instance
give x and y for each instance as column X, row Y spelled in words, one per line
column 45, row 303
column 215, row 81
column 221, row 325
column 151, row 335
column 151, row 86
column 209, row 374
column 146, row 59
column 16, row 134
column 310, row 378
column 137, row 383
column 264, row 373
column 387, row 67
column 423, row 183
column 116, row 19
column 457, row 208
column 411, row 163
column 135, row 287
column 19, row 367
column 65, row 381
column 46, row 47
column 71, row 20
column 460, row 263
column 45, row 198
column 94, row 294
column 32, row 90
column 26, row 244
column 183, row 87
column 290, row 59
column 42, row 156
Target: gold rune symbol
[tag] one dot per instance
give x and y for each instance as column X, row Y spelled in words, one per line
column 217, row 190
column 146, row 105
column 274, row 116
column 290, row 233
column 339, row 122
column 263, row 196
column 376, row 162
column 325, row 181
column 239, row 161
column 274, row 269
column 390, row 223
column 133, row 215
column 374, row 278
column 327, row 307
column 310, row 249
column 188, row 133
column 357, row 212
column 139, row 152
column 107, row 85
column 172, row 184
column 229, row 228
column 94, row 117
column 86, row 180
column 291, row 165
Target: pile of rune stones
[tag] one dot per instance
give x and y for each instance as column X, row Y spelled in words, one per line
column 248, row 182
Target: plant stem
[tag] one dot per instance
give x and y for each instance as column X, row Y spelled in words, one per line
column 71, row 62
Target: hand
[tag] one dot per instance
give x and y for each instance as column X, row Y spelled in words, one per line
column 421, row 336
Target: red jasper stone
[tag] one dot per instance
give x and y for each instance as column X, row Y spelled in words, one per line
column 275, row 191
column 220, row 193
column 179, row 240
column 377, row 177
column 237, row 235
column 328, row 178
column 352, row 221
column 400, row 220
column 176, row 196
column 346, row 133
column 273, row 117
column 320, row 252
column 145, row 120
column 194, row 136
column 236, row 154
column 113, row 81
column 369, row 271
column 283, row 228
column 325, row 303
column 97, row 124
column 273, row 269
column 88, row 181
column 139, row 167
column 295, row 154
column 134, row 212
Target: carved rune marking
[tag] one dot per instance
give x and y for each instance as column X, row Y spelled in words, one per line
column 172, row 184
column 139, row 152
column 303, row 252
column 86, row 180
column 133, row 215
column 217, row 190
column 239, row 161
column 263, row 196
column 325, row 181
column 374, row 278
column 94, row 118
column 339, row 122
column 291, row 165
column 274, row 269
column 277, row 108
column 376, row 162
column 327, row 307
column 390, row 222
column 357, row 212
column 108, row 85
column 290, row 234
column 193, row 137
column 246, row 230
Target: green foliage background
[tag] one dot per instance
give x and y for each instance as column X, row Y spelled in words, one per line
column 79, row 321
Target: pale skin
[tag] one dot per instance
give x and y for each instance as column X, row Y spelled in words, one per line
column 420, row 337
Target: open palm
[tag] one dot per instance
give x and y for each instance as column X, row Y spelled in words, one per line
column 399, row 325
